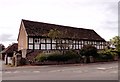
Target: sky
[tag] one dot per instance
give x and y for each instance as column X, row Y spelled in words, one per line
column 99, row 15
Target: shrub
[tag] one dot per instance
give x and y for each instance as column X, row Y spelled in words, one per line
column 68, row 55
column 87, row 51
column 106, row 55
column 41, row 57
column 71, row 54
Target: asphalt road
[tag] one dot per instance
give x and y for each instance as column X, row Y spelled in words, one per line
column 94, row 71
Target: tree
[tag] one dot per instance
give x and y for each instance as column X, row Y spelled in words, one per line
column 2, row 47
column 88, row 50
column 116, row 42
column 57, row 36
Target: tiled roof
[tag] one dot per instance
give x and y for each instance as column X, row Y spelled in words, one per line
column 42, row 29
column 11, row 48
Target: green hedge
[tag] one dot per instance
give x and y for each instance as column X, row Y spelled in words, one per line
column 68, row 55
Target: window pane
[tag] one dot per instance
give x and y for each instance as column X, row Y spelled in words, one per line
column 42, row 40
column 63, row 41
column 53, row 46
column 80, row 46
column 36, row 46
column 97, row 47
column 67, row 41
column 53, row 41
column 30, row 40
column 30, row 46
column 48, row 40
column 73, row 46
column 42, row 46
column 48, row 46
column 70, row 46
column 74, row 41
column 77, row 46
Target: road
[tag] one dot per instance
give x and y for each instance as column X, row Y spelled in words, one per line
column 94, row 71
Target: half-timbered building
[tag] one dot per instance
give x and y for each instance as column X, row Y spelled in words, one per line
column 34, row 36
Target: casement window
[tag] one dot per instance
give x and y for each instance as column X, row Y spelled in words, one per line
column 77, row 46
column 102, row 47
column 42, row 46
column 70, row 46
column 30, row 46
column 74, row 41
column 30, row 40
column 97, row 46
column 97, row 43
column 42, row 41
column 85, row 42
column 79, row 42
column 74, row 47
column 67, row 41
column 53, row 46
column 48, row 46
column 63, row 41
column 80, row 46
column 53, row 41
column 82, row 42
column 37, row 46
column 48, row 40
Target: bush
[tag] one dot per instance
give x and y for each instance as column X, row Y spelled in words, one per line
column 106, row 55
column 59, row 57
column 87, row 51
column 71, row 54
column 41, row 57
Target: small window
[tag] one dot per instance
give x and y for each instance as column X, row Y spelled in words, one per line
column 53, row 41
column 42, row 46
column 37, row 40
column 53, row 46
column 70, row 46
column 30, row 40
column 30, row 46
column 48, row 40
column 42, row 40
column 48, row 46
column 36, row 46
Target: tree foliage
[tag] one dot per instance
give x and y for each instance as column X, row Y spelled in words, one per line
column 88, row 50
column 2, row 47
column 54, row 33
column 116, row 42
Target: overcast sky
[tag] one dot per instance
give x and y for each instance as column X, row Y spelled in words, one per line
column 100, row 15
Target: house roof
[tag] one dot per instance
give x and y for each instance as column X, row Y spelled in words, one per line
column 11, row 48
column 34, row 28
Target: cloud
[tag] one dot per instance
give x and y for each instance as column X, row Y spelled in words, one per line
column 6, row 37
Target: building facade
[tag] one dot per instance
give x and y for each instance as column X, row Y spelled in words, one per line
column 34, row 36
